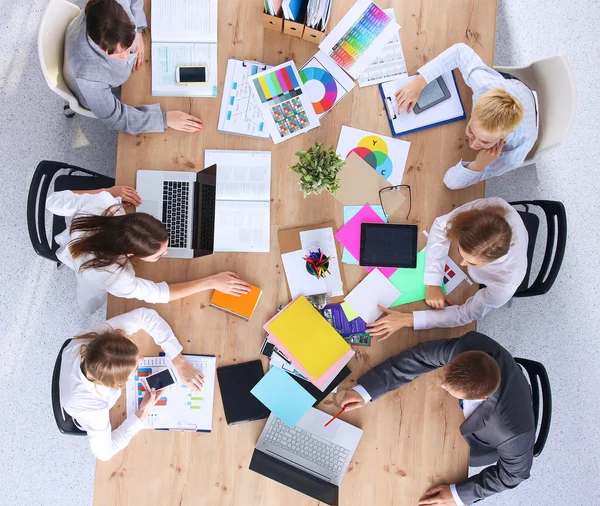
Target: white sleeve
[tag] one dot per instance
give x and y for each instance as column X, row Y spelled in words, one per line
column 67, row 203
column 455, row 496
column 151, row 322
column 362, row 392
column 104, row 441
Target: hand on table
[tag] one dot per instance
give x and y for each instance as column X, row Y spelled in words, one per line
column 190, row 376
column 435, row 297
column 140, row 51
column 179, row 120
column 407, row 97
column 440, row 495
column 352, row 400
column 486, row 156
column 390, row 323
column 148, row 402
column 229, row 282
column 129, row 196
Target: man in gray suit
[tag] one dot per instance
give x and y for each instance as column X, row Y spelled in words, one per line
column 103, row 45
column 496, row 400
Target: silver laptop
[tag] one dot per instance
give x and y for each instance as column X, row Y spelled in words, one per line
column 310, row 458
column 185, row 203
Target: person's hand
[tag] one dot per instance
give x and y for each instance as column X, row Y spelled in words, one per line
column 190, row 376
column 229, row 282
column 352, row 400
column 140, row 51
column 435, row 297
column 179, row 120
column 440, row 495
column 129, row 195
column 407, row 97
column 390, row 323
column 148, row 402
column 486, row 156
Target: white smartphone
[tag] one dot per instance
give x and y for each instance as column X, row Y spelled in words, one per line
column 159, row 380
column 191, row 74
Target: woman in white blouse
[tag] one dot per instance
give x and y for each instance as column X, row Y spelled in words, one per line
column 96, row 365
column 492, row 241
column 101, row 241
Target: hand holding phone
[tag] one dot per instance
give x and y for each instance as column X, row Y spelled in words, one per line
column 159, row 380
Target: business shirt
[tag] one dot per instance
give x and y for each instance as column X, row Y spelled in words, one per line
column 93, row 284
column 481, row 78
column 91, row 74
column 499, row 430
column 502, row 277
column 90, row 404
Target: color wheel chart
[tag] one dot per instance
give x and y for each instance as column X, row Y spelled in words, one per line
column 374, row 150
column 315, row 77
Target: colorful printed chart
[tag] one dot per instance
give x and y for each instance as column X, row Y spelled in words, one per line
column 277, row 86
column 312, row 74
column 290, row 117
column 373, row 150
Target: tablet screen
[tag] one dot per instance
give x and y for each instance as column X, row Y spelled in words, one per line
column 388, row 245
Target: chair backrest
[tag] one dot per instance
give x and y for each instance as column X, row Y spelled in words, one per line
column 556, row 243
column 64, row 421
column 51, row 48
column 553, row 81
column 539, row 381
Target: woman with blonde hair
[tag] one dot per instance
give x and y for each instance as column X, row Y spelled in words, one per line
column 491, row 238
column 101, row 242
column 96, row 365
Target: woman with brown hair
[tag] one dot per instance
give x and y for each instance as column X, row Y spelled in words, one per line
column 492, row 240
column 96, row 365
column 101, row 241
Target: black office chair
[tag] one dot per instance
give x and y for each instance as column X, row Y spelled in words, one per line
column 64, row 421
column 38, row 193
column 538, row 379
column 556, row 219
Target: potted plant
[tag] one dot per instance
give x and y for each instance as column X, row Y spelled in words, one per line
column 318, row 168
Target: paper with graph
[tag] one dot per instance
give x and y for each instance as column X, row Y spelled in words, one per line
column 179, row 407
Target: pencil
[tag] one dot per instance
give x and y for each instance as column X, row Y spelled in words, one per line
column 342, row 410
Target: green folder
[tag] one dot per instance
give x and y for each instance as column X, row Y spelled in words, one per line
column 410, row 282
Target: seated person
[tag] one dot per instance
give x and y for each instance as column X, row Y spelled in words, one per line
column 503, row 125
column 492, row 241
column 103, row 44
column 101, row 241
column 96, row 365
column 496, row 400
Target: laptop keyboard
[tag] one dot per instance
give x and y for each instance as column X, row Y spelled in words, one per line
column 207, row 220
column 305, row 445
column 175, row 212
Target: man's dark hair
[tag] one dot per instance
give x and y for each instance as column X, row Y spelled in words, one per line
column 108, row 25
column 475, row 374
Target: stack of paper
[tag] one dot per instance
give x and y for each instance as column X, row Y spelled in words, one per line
column 273, row 7
column 318, row 13
column 373, row 290
column 313, row 346
column 294, row 10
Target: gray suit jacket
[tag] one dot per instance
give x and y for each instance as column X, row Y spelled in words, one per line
column 501, row 429
column 91, row 74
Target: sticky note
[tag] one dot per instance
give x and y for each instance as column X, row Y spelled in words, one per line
column 348, row 311
column 286, row 399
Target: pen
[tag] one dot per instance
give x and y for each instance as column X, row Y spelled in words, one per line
column 342, row 410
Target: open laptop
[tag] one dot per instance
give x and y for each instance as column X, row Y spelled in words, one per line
column 309, row 458
column 185, row 203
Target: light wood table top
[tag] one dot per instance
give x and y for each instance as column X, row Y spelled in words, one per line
column 411, row 440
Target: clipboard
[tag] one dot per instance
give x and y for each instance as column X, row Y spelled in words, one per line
column 289, row 240
column 388, row 105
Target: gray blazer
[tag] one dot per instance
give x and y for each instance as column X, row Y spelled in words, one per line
column 500, row 430
column 91, row 74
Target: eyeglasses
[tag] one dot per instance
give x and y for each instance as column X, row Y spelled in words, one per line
column 397, row 187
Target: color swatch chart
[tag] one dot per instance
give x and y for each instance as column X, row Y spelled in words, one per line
column 290, row 117
column 360, row 36
column 277, row 86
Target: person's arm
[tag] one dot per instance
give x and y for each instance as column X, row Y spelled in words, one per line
column 69, row 203
column 118, row 116
column 137, row 9
column 515, row 458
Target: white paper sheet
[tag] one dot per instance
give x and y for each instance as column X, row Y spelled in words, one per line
column 184, row 20
column 374, row 289
column 242, row 226
column 323, row 238
column 386, row 155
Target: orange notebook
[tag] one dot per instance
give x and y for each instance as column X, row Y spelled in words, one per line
column 243, row 306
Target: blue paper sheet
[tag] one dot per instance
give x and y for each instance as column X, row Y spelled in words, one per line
column 349, row 212
column 283, row 396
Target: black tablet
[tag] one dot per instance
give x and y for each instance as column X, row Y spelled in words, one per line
column 388, row 245
column 434, row 93
column 235, row 382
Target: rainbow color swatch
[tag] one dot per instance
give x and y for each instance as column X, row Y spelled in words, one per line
column 360, row 36
column 290, row 117
column 326, row 79
column 277, row 86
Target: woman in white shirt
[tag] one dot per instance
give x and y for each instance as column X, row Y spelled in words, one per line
column 96, row 365
column 492, row 241
column 101, row 241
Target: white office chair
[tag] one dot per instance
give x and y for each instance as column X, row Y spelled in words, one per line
column 51, row 46
column 554, row 83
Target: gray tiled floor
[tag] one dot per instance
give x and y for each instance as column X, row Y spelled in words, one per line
column 37, row 306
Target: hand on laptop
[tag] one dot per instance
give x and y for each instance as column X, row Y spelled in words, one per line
column 129, row 196
column 407, row 97
column 391, row 322
column 435, row 297
column 352, row 400
column 190, row 376
column 440, row 495
column 229, row 282
column 179, row 120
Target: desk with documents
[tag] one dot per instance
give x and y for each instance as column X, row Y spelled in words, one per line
column 411, row 438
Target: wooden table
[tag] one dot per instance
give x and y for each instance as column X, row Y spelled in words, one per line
column 411, row 439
